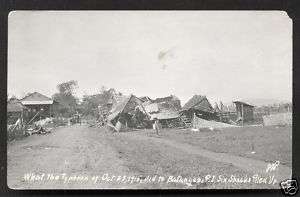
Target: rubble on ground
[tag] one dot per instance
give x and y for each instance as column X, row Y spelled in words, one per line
column 199, row 123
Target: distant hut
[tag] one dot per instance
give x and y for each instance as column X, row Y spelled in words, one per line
column 39, row 105
column 244, row 112
column 15, row 110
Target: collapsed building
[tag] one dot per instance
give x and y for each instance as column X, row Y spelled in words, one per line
column 167, row 116
column 165, row 110
column 128, row 113
column 200, row 106
column 134, row 112
column 105, row 109
column 170, row 101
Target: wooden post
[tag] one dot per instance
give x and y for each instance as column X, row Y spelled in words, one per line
column 194, row 120
column 242, row 114
column 22, row 127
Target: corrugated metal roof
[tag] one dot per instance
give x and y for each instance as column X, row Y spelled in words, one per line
column 193, row 101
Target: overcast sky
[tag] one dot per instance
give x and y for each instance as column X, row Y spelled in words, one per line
column 224, row 55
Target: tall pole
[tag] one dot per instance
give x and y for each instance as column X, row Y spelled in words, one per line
column 22, row 122
column 242, row 114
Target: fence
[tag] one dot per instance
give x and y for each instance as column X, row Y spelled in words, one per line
column 278, row 119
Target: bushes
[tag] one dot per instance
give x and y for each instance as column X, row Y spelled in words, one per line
column 17, row 133
column 278, row 119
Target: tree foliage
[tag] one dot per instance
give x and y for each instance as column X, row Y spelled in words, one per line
column 65, row 97
column 90, row 103
column 67, row 88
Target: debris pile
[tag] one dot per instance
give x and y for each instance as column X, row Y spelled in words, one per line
column 37, row 130
column 41, row 127
column 199, row 123
column 128, row 113
column 280, row 119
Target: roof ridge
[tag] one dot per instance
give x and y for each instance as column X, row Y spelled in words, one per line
column 198, row 101
column 30, row 94
column 196, row 95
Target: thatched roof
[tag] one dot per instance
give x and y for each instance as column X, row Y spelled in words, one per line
column 125, row 105
column 165, row 99
column 193, row 101
column 152, row 108
column 145, row 98
column 36, row 99
column 198, row 102
column 165, row 114
column 120, row 106
column 161, row 111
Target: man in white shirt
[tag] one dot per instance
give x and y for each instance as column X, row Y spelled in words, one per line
column 156, row 126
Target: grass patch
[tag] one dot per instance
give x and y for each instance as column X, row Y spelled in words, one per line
column 148, row 158
column 269, row 143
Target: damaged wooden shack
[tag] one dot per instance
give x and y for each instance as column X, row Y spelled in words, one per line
column 128, row 113
column 244, row 111
column 198, row 106
column 39, row 106
column 134, row 112
column 165, row 110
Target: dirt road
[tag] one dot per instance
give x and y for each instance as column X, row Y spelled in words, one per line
column 64, row 158
column 74, row 151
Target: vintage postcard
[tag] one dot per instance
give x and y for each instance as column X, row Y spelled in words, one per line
column 149, row 100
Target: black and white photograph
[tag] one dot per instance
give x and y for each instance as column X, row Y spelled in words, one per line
column 142, row 99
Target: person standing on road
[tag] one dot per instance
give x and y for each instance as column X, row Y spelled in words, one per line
column 156, row 126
